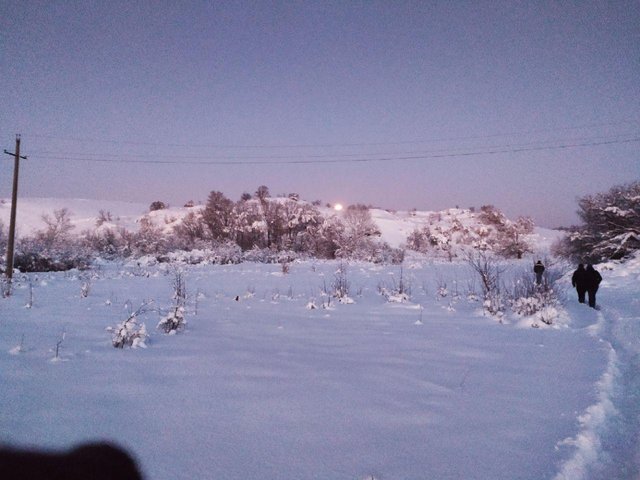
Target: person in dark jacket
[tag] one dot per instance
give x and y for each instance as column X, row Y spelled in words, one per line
column 579, row 281
column 538, row 269
column 592, row 282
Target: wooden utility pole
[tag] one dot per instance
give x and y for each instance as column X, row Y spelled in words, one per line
column 14, row 203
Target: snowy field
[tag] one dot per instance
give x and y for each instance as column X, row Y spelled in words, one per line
column 259, row 385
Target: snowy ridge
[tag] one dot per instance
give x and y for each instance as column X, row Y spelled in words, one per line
column 394, row 226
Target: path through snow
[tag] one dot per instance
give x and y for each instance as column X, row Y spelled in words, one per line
column 608, row 445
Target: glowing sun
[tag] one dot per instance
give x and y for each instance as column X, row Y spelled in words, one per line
column 337, row 207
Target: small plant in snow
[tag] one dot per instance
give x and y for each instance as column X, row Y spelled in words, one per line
column 59, row 343
column 85, row 287
column 18, row 348
column 489, row 271
column 173, row 321
column 441, row 287
column 341, row 284
column 128, row 333
column 5, row 287
column 493, row 304
column 547, row 315
column 400, row 292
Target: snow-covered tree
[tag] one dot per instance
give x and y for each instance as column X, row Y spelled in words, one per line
column 357, row 238
column 300, row 220
column 218, row 216
column 149, row 239
column 250, row 227
column 323, row 239
column 53, row 248
column 262, row 193
column 512, row 240
column 157, row 205
column 191, row 230
column 611, row 228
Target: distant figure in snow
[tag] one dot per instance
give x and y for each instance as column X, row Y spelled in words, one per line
column 592, row 282
column 538, row 269
column 579, row 281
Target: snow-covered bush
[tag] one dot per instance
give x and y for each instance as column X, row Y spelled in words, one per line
column 611, row 228
column 33, row 255
column 489, row 270
column 52, row 248
column 356, row 238
column 529, row 299
column 129, row 333
column 3, row 240
column 527, row 306
column 173, row 321
column 227, row 253
column 341, row 284
column 398, row 292
column 157, row 205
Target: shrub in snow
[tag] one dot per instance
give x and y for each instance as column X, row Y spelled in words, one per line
column 395, row 297
column 340, row 282
column 488, row 270
column 157, row 205
column 227, row 253
column 5, row 287
column 191, row 231
column 494, row 304
column 129, row 333
column 3, row 241
column 611, row 228
column 173, row 321
column 531, row 299
column 398, row 292
column 33, row 256
column 547, row 315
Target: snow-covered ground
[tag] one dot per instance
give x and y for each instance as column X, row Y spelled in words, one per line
column 261, row 386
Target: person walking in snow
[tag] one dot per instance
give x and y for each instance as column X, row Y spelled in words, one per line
column 592, row 282
column 579, row 281
column 538, row 269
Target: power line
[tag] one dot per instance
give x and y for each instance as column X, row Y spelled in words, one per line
column 328, row 145
column 497, row 151
column 67, row 154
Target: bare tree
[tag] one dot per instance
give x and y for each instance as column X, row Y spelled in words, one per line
column 58, row 227
column 488, row 269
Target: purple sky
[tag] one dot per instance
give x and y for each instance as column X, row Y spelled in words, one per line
column 229, row 94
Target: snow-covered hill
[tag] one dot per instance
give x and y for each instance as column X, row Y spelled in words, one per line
column 394, row 226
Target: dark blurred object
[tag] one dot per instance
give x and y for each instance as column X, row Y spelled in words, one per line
column 95, row 461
